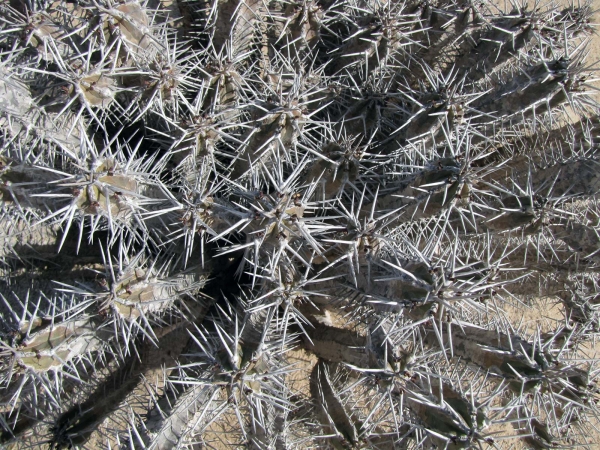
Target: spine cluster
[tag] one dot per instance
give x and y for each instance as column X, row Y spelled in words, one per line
column 276, row 224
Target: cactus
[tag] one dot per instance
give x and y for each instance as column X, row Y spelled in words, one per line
column 298, row 224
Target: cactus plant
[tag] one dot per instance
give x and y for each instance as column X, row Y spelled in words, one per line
column 298, row 224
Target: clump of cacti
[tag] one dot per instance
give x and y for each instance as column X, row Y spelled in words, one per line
column 297, row 224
